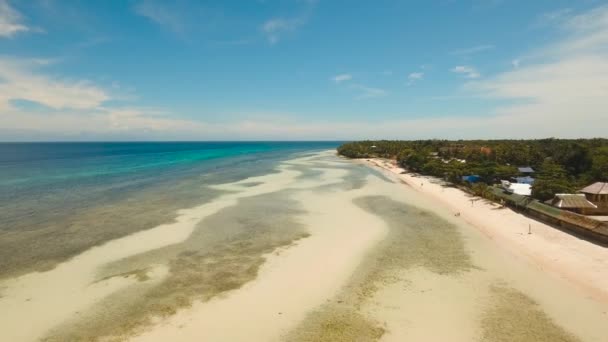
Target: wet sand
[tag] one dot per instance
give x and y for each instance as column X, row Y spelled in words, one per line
column 578, row 261
column 324, row 249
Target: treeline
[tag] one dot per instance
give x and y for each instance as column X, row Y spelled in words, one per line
column 561, row 165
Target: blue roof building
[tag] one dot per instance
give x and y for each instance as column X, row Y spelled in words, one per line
column 471, row 178
column 525, row 180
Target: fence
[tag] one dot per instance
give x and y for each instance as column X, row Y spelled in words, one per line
column 580, row 225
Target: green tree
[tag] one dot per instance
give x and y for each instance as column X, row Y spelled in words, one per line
column 505, row 171
column 599, row 165
column 552, row 179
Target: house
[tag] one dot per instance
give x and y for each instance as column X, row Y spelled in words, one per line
column 471, row 178
column 597, row 193
column 519, row 189
column 577, row 203
column 525, row 170
column 525, row 180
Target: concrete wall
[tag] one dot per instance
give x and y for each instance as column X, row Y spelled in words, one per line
column 575, row 223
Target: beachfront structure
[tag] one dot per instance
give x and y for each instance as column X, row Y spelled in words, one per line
column 577, row 203
column 597, row 193
column 519, row 189
column 525, row 170
column 525, row 180
column 471, row 178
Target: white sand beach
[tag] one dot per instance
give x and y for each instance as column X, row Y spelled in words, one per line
column 422, row 305
column 377, row 260
column 580, row 262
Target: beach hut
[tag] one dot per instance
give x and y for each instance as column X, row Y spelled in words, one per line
column 471, row 178
column 525, row 170
column 525, row 180
column 577, row 203
column 519, row 189
column 597, row 193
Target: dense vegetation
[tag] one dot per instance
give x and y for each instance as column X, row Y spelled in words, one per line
column 561, row 166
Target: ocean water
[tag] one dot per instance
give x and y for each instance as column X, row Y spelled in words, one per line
column 59, row 199
column 207, row 217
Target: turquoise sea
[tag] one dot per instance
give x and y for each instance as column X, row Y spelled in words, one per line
column 59, row 199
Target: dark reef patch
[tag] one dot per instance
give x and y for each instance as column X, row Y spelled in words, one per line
column 223, row 253
column 514, row 317
column 416, row 238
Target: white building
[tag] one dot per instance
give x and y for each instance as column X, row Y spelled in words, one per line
column 520, row 189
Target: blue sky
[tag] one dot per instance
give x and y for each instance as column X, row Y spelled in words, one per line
column 302, row 69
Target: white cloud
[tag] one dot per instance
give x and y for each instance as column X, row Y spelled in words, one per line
column 467, row 71
column 275, row 28
column 125, row 123
column 364, row 92
column 550, row 18
column 414, row 77
column 515, row 63
column 342, row 78
column 160, row 14
column 19, row 81
column 133, row 123
column 127, row 119
column 588, row 33
column 10, row 21
column 368, row 92
column 473, row 49
column 71, row 108
column 563, row 88
column 559, row 91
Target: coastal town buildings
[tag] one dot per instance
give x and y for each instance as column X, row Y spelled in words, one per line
column 519, row 189
column 597, row 193
column 576, row 203
column 525, row 170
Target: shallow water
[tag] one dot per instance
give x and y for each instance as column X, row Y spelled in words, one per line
column 424, row 276
column 59, row 199
column 416, row 238
column 222, row 254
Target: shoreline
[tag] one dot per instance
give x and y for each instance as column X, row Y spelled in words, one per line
column 275, row 302
column 580, row 262
column 323, row 249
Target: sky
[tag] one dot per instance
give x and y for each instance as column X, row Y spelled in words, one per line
column 302, row 69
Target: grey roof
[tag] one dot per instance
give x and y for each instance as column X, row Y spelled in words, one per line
column 525, row 180
column 598, row 188
column 526, row 169
column 571, row 201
